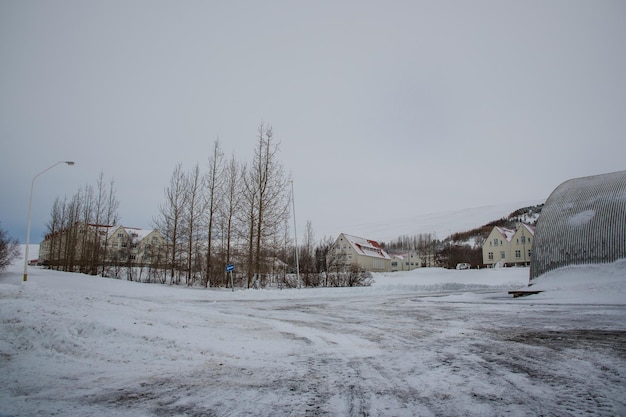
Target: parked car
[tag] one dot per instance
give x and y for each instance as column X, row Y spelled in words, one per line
column 463, row 265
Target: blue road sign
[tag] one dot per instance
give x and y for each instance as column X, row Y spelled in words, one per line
column 230, row 267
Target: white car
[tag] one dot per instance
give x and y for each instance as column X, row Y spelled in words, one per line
column 463, row 265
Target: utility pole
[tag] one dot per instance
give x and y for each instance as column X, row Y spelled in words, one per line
column 295, row 233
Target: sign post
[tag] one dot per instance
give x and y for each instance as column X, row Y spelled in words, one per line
column 230, row 268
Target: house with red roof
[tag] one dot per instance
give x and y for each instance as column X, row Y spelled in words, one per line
column 352, row 250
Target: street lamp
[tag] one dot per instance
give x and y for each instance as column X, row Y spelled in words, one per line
column 30, row 206
column 295, row 235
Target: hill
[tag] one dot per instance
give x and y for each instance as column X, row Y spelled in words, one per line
column 463, row 246
column 439, row 224
column 475, row 237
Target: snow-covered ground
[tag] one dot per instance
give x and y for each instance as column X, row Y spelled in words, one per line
column 431, row 342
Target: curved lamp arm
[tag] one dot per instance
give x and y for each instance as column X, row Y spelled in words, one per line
column 30, row 207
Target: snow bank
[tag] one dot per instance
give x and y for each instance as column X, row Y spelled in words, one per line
column 583, row 284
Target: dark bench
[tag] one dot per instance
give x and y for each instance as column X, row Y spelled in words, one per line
column 523, row 293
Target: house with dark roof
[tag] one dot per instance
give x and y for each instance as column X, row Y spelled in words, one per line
column 352, row 250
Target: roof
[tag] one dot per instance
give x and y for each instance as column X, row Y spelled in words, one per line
column 582, row 222
column 506, row 233
column 132, row 231
column 509, row 233
column 366, row 247
column 531, row 229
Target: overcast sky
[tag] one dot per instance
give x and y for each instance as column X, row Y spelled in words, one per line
column 384, row 109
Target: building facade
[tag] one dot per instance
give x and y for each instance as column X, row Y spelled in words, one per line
column 407, row 261
column 509, row 247
column 352, row 250
column 85, row 247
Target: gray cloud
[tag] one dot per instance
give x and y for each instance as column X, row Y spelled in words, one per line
column 383, row 110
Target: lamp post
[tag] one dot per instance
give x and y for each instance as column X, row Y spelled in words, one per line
column 295, row 235
column 30, row 206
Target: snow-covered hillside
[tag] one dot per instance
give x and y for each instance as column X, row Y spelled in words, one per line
column 441, row 224
column 429, row 342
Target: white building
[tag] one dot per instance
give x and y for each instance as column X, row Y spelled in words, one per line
column 509, row 247
column 367, row 254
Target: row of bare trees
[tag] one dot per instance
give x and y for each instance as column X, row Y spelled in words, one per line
column 217, row 213
column 228, row 212
column 69, row 246
column 425, row 245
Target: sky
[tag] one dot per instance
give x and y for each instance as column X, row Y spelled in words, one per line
column 384, row 109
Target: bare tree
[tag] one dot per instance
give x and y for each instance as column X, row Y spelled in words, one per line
column 248, row 219
column 214, row 190
column 109, row 214
column 232, row 197
column 426, row 247
column 170, row 218
column 50, row 250
column 306, row 256
column 72, row 218
column 193, row 212
column 9, row 249
column 104, row 217
column 270, row 197
column 87, row 237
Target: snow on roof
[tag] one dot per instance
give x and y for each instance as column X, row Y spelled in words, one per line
column 138, row 233
column 506, row 233
column 531, row 229
column 133, row 232
column 366, row 247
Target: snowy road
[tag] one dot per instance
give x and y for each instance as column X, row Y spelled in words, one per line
column 97, row 347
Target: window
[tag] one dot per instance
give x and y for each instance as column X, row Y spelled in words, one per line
column 124, row 244
column 394, row 263
column 529, row 253
column 518, row 253
column 490, row 256
column 495, row 242
column 120, row 235
column 502, row 255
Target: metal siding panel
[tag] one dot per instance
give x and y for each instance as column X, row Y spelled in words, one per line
column 567, row 234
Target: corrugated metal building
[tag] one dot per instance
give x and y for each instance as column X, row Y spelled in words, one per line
column 582, row 222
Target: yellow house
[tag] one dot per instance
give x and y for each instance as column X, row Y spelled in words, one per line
column 521, row 244
column 406, row 261
column 352, row 250
column 508, row 247
column 139, row 246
